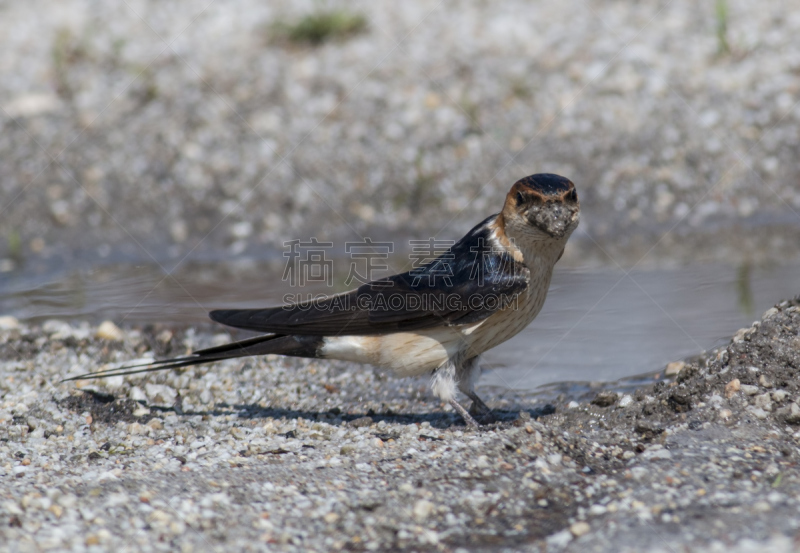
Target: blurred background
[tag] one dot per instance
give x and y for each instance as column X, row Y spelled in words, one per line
column 155, row 156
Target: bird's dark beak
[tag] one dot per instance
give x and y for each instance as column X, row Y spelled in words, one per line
column 556, row 219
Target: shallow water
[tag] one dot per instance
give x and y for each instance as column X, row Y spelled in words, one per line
column 603, row 325
column 598, row 324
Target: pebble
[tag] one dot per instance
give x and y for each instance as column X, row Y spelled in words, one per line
column 559, row 540
column 7, row 322
column 605, row 399
column 674, row 368
column 763, row 401
column 779, row 395
column 579, row 529
column 732, row 387
column 626, row 401
column 107, row 330
column 597, row 510
column 793, row 414
column 655, row 452
column 361, row 422
column 422, row 510
column 749, row 390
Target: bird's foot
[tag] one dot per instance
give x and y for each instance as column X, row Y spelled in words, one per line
column 483, row 416
column 464, row 414
column 480, row 411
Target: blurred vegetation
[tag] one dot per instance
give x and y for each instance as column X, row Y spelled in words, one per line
column 320, row 26
column 721, row 13
column 67, row 50
column 744, row 288
column 71, row 48
column 14, row 245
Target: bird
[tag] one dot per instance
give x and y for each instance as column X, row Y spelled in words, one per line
column 435, row 319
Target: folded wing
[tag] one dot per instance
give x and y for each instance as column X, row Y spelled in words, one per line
column 465, row 285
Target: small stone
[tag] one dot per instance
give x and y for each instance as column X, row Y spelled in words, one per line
column 791, row 414
column 763, row 401
column 422, row 509
column 559, row 540
column 762, row 507
column 32, row 104
column 109, row 331
column 160, row 394
column 597, row 510
column 764, row 382
column 140, row 411
column 674, row 368
column 330, row 518
column 749, row 390
column 656, row 451
column 137, row 394
column 360, row 422
column 57, row 330
column 605, row 399
column 7, row 322
column 732, row 387
column 625, row 401
column 779, row 395
column 725, row 414
column 758, row 412
column 135, row 428
column 579, row 529
column 769, row 313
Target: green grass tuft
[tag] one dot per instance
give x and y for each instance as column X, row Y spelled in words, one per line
column 721, row 12
column 320, row 26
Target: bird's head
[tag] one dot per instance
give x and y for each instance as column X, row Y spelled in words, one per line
column 542, row 207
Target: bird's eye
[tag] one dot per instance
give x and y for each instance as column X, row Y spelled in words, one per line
column 520, row 198
column 572, row 196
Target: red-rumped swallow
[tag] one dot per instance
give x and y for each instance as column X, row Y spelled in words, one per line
column 435, row 319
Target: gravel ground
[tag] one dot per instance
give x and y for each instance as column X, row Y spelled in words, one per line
column 130, row 129
column 141, row 130
column 296, row 455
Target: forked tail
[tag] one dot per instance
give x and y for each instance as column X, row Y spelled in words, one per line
column 296, row 346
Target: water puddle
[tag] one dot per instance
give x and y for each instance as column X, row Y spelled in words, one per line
column 598, row 325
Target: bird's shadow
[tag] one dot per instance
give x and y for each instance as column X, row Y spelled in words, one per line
column 109, row 409
column 336, row 417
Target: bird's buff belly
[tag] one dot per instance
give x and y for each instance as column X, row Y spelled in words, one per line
column 416, row 353
column 405, row 353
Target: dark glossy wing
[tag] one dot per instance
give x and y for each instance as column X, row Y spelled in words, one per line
column 472, row 280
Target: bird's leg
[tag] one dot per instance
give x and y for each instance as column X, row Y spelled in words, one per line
column 478, row 407
column 443, row 385
column 468, row 373
column 464, row 414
